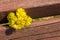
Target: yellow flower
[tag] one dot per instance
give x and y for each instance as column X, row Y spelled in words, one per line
column 20, row 12
column 28, row 20
column 19, row 20
column 11, row 18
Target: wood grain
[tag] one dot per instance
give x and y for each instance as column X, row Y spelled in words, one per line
column 49, row 31
column 6, row 5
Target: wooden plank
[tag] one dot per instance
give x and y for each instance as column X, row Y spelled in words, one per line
column 49, row 31
column 6, row 5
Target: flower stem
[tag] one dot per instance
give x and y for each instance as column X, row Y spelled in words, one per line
column 4, row 24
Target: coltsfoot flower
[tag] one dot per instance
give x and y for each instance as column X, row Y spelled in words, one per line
column 19, row 20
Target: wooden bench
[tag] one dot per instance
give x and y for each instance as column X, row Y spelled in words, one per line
column 39, row 30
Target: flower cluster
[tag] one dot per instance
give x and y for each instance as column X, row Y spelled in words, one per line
column 19, row 19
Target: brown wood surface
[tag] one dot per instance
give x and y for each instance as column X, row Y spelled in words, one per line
column 6, row 5
column 34, row 8
column 48, row 31
column 39, row 30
